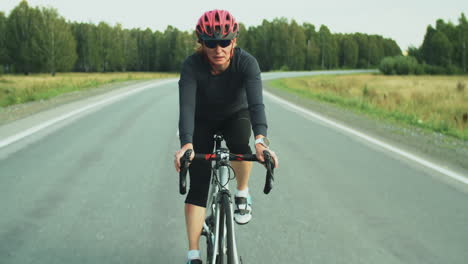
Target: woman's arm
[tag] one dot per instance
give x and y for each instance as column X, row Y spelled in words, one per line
column 254, row 90
column 187, row 102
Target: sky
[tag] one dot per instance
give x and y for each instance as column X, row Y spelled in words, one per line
column 405, row 21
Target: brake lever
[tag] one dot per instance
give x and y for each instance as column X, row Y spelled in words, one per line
column 184, row 164
column 270, row 166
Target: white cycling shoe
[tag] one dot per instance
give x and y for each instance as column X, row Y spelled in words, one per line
column 243, row 209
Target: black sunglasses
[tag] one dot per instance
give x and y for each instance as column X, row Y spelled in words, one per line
column 213, row 43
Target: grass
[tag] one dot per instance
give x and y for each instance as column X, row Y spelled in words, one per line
column 438, row 103
column 17, row 89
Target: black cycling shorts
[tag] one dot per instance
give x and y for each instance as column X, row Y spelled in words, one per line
column 236, row 131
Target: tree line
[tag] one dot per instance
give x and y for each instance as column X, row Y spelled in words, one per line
column 443, row 51
column 34, row 40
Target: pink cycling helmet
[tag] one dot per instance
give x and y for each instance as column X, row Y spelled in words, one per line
column 217, row 25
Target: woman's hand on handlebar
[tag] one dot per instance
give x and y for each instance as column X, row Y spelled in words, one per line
column 259, row 148
column 180, row 153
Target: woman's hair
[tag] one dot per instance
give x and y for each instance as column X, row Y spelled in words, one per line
column 199, row 48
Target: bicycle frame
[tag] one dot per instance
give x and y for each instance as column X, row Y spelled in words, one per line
column 217, row 221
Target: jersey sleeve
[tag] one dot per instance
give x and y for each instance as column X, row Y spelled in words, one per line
column 187, row 96
column 253, row 86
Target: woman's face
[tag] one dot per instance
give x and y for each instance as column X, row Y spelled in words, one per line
column 218, row 55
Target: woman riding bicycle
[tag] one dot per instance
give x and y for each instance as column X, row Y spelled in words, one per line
column 220, row 89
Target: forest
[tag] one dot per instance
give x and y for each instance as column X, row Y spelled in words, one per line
column 40, row 40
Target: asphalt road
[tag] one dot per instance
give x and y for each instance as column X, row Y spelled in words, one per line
column 100, row 187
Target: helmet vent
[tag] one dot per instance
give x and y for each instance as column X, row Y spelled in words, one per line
column 199, row 28
column 235, row 28
column 208, row 30
column 217, row 29
column 226, row 28
column 217, row 17
column 206, row 18
column 228, row 17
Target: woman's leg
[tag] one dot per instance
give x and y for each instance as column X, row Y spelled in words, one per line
column 194, row 219
column 200, row 174
column 237, row 132
column 242, row 170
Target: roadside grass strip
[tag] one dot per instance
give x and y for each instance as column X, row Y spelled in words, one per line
column 436, row 103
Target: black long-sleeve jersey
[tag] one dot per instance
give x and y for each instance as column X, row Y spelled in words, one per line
column 203, row 95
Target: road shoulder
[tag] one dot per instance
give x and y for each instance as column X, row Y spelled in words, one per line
column 19, row 119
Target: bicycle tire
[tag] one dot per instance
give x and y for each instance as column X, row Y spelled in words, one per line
column 221, row 229
column 232, row 257
column 209, row 239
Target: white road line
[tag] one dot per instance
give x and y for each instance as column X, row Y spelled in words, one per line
column 384, row 145
column 9, row 140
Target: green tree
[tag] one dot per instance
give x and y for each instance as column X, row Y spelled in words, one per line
column 391, row 48
column 105, row 44
column 448, row 29
column 463, row 42
column 328, row 48
column 312, row 52
column 88, row 50
column 3, row 47
column 364, row 50
column 452, row 34
column 158, row 44
column 277, row 43
column 181, row 43
column 416, row 53
column 297, row 47
column 349, row 52
column 260, row 41
column 426, row 49
column 21, row 33
column 437, row 49
column 376, row 51
column 78, row 30
column 324, row 44
column 130, row 51
column 55, row 43
column 243, row 38
column 116, row 54
column 145, row 45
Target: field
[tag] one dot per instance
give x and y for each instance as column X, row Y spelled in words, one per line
column 17, row 89
column 439, row 103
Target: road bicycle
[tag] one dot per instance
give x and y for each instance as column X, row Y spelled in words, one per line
column 218, row 228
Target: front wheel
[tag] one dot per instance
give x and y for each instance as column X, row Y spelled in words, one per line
column 221, row 258
column 210, row 239
column 232, row 256
column 215, row 242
